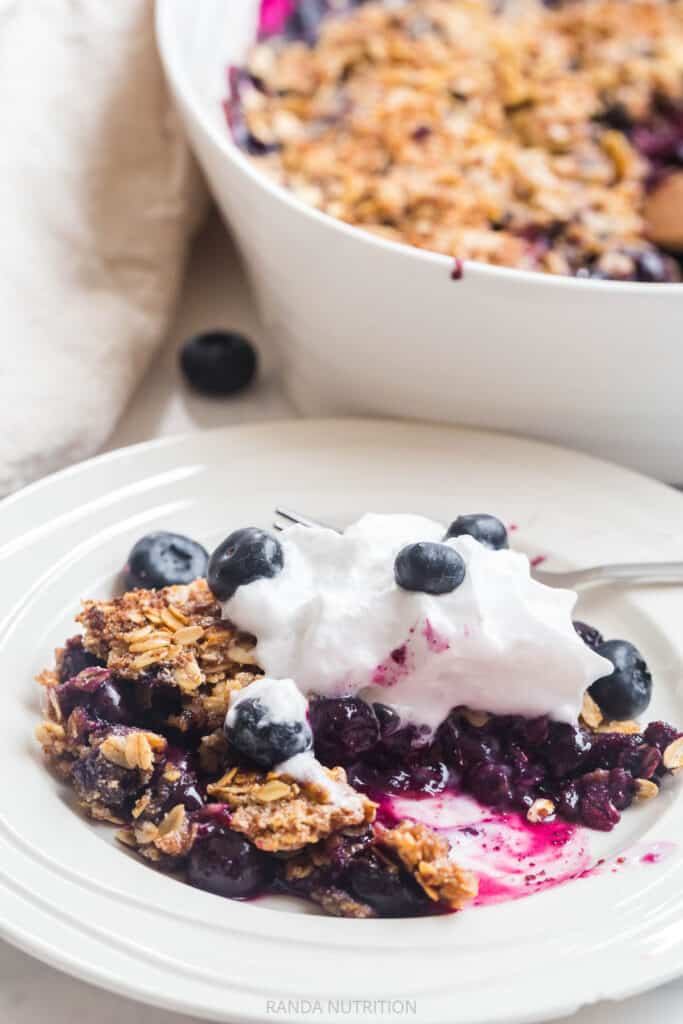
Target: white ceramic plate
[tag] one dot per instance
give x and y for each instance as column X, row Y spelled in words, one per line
column 71, row 897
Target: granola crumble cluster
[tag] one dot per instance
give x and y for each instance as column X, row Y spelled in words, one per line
column 133, row 722
column 522, row 134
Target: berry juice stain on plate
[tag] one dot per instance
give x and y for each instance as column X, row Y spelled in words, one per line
column 512, row 857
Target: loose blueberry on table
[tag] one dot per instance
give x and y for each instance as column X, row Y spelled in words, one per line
column 218, row 362
column 253, row 719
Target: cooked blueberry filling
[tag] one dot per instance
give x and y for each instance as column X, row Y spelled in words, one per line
column 343, row 729
column 226, row 864
column 390, row 893
column 97, row 690
column 75, row 658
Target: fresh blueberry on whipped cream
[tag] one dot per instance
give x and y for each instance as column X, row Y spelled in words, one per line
column 268, row 722
column 483, row 527
column 246, row 555
column 334, row 619
column 432, row 568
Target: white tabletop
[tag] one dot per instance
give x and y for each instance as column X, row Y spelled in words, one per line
column 215, row 295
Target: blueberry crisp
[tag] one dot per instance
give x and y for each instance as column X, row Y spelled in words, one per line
column 536, row 135
column 253, row 728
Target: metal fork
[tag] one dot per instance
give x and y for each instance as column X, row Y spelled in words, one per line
column 625, row 572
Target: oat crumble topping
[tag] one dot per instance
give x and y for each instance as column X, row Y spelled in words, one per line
column 485, row 131
column 278, row 814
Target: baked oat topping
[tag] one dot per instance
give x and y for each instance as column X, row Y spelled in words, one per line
column 177, row 631
column 506, row 133
column 277, row 813
column 426, row 856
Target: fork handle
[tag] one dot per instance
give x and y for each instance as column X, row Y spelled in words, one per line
column 671, row 572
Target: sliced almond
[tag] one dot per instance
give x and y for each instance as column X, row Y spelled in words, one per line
column 140, row 805
column 664, row 212
column 48, row 732
column 590, row 712
column 150, row 643
column 646, row 789
column 271, row 791
column 188, row 677
column 626, row 728
column 138, row 634
column 188, row 635
column 138, row 751
column 114, row 750
column 178, row 614
column 173, row 821
column 169, row 620
column 149, row 658
column 475, row 718
column 241, row 655
column 540, row 810
column 146, row 832
column 672, row 757
column 125, row 836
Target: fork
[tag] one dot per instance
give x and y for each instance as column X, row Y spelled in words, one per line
column 623, row 572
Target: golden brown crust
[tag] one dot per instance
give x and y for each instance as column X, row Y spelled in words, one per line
column 426, row 856
column 278, row 814
column 177, row 631
column 429, row 122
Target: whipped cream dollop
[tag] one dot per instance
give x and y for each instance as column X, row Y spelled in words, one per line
column 335, row 621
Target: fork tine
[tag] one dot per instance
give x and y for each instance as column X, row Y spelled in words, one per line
column 293, row 518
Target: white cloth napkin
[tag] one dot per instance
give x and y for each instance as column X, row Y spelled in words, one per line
column 98, row 199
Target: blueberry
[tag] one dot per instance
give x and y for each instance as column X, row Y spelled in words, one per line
column 162, row 559
column 565, row 749
column 344, row 728
column 218, row 362
column 660, row 735
column 98, row 691
column 251, row 730
column 626, row 692
column 182, row 790
column 490, row 784
column 75, row 658
column 97, row 779
column 591, row 636
column 246, row 555
column 391, row 892
column 428, row 567
column 655, row 267
column 488, row 530
column 596, row 807
column 227, row 865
